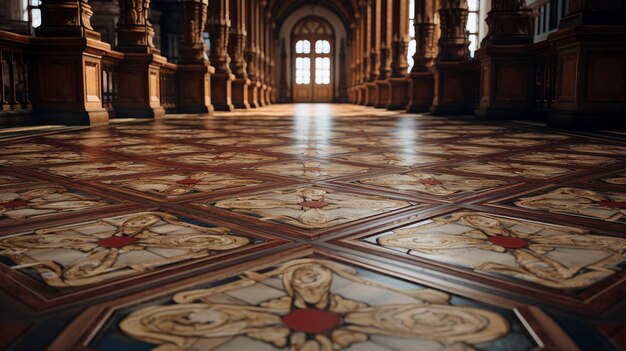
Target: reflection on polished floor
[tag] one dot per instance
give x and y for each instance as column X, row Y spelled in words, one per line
column 312, row 227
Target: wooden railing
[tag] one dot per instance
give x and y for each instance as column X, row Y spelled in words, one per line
column 110, row 80
column 167, row 82
column 15, row 68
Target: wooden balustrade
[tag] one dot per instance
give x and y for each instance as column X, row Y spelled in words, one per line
column 15, row 87
column 167, row 82
column 110, row 80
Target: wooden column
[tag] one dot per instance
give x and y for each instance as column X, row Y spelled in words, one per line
column 360, row 97
column 236, row 47
column 591, row 66
column 194, row 71
column 450, row 96
column 421, row 76
column 284, row 90
column 367, row 41
column 399, row 84
column 68, row 50
column 507, row 72
column 219, row 29
column 374, row 71
column 353, row 65
column 343, row 73
column 261, row 56
column 251, row 53
column 382, row 88
column 268, row 59
column 139, row 72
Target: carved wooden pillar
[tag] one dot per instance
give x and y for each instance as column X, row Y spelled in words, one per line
column 507, row 72
column 374, row 54
column 236, row 46
column 359, row 62
column 68, row 50
column 284, row 90
column 422, row 78
column 251, row 53
column 355, row 61
column 261, row 56
column 221, row 81
column 450, row 96
column 367, row 41
column 139, row 94
column 399, row 85
column 343, row 71
column 382, row 88
column 194, row 71
column 353, row 58
column 268, row 59
column 591, row 60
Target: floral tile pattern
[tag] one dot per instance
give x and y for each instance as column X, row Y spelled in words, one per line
column 312, row 149
column 310, row 207
column 392, row 159
column 436, row 184
column 507, row 141
column 315, row 304
column 312, row 227
column 514, row 169
column 221, row 158
column 24, row 147
column 110, row 248
column 310, row 169
column 174, row 185
column 558, row 257
column 560, row 158
column 242, row 141
column 607, row 206
column 101, row 169
column 162, row 149
column 105, row 142
column 42, row 200
column 50, row 157
column 456, row 149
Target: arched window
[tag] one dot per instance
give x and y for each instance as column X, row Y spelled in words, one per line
column 312, row 40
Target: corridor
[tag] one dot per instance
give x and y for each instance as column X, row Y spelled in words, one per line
column 312, row 227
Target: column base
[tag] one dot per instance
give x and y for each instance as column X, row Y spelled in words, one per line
column 240, row 93
column 83, row 118
column 76, row 63
column 140, row 94
column 253, row 94
column 382, row 96
column 450, row 95
column 268, row 95
column 364, row 95
column 507, row 82
column 371, row 94
column 398, row 93
column 194, row 89
column 262, row 95
column 221, row 91
column 139, row 112
column 422, row 91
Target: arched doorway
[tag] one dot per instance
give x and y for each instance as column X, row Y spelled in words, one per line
column 312, row 41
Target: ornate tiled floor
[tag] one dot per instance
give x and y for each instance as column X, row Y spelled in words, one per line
column 312, row 227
